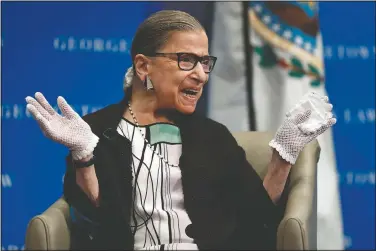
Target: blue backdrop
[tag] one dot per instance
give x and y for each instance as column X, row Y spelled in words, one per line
column 349, row 38
column 80, row 50
column 76, row 50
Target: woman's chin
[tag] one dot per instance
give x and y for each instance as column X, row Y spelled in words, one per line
column 186, row 109
column 186, row 105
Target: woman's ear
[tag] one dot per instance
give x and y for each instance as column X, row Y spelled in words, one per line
column 141, row 66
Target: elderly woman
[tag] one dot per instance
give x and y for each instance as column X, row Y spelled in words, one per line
column 149, row 173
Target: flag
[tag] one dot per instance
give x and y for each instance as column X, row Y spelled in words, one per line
column 287, row 62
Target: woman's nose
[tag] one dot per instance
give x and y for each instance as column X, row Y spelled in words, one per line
column 200, row 74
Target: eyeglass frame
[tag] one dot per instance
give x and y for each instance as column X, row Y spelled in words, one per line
column 179, row 54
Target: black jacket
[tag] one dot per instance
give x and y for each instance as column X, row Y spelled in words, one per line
column 223, row 195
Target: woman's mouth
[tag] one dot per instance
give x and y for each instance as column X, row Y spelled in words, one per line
column 190, row 93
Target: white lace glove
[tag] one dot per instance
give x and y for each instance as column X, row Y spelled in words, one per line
column 70, row 130
column 311, row 117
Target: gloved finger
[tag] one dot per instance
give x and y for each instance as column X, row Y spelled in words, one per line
column 307, row 130
column 38, row 107
column 294, row 109
column 289, row 113
column 44, row 103
column 327, row 125
column 328, row 107
column 65, row 108
column 42, row 121
column 332, row 122
column 325, row 99
column 301, row 117
column 329, row 115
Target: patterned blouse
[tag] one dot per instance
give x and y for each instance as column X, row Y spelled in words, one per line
column 158, row 218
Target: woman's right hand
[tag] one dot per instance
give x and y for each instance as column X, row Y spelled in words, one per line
column 70, row 129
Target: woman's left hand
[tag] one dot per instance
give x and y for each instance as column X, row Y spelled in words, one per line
column 296, row 131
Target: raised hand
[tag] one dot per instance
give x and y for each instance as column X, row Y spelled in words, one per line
column 311, row 117
column 70, row 129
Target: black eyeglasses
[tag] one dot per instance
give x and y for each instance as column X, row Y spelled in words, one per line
column 188, row 61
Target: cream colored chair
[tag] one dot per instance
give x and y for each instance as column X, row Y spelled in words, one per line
column 50, row 230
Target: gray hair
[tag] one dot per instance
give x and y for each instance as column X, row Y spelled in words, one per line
column 154, row 32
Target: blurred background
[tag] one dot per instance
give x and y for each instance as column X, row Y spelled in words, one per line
column 269, row 55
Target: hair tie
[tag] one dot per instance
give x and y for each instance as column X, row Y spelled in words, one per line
column 128, row 78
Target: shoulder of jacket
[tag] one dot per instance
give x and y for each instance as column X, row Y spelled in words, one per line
column 211, row 126
column 103, row 118
column 99, row 113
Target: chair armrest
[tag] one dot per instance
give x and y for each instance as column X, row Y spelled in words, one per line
column 50, row 230
column 293, row 230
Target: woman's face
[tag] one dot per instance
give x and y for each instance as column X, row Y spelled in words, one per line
column 176, row 88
